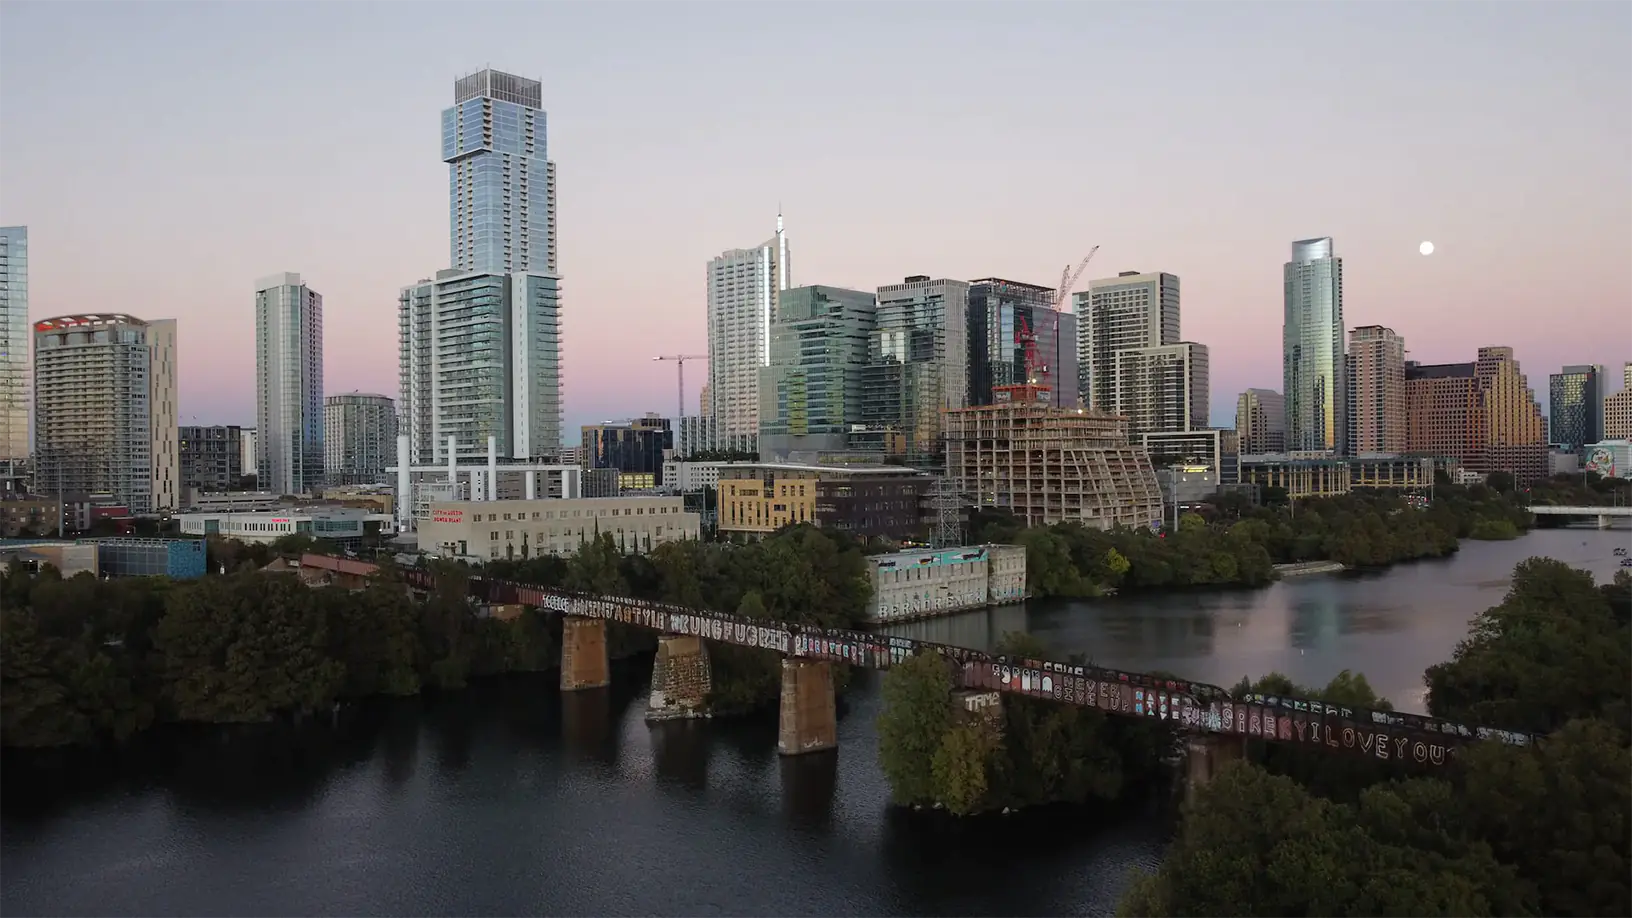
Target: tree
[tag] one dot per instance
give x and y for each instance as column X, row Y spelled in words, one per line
column 913, row 725
column 244, row 648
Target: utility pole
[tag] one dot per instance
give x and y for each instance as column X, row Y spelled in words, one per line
column 680, row 361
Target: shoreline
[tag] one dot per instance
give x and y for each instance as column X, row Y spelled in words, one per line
column 1308, row 568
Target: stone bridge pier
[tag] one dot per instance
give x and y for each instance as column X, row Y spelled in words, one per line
column 1207, row 754
column 583, row 654
column 809, row 721
column 681, row 679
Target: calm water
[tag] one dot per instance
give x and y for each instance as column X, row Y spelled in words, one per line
column 513, row 800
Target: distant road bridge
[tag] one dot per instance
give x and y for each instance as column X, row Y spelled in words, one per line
column 1605, row 515
column 1208, row 714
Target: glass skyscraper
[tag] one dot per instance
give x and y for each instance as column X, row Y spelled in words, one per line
column 289, row 391
column 480, row 345
column 811, row 394
column 1016, row 336
column 501, row 184
column 1312, row 364
column 14, row 342
column 1575, row 404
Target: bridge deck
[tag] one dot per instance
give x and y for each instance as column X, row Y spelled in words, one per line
column 1188, row 705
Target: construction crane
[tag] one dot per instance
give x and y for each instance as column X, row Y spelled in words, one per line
column 1069, row 278
column 680, row 360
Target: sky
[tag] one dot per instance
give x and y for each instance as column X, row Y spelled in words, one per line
column 164, row 156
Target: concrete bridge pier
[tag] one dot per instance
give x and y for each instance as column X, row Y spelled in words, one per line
column 1206, row 755
column 1605, row 521
column 583, row 654
column 809, row 721
column 681, row 679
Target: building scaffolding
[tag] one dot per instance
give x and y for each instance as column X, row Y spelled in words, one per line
column 1051, row 465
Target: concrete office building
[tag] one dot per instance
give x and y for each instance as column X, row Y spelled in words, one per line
column 917, row 368
column 1575, row 405
column 488, row 530
column 359, row 438
column 1162, row 389
column 1482, row 414
column 1312, row 365
column 96, row 379
column 1618, row 409
column 1217, row 451
column 866, row 501
column 918, row 584
column 1260, row 420
column 212, row 458
column 811, row 393
column 1114, row 314
column 14, row 344
column 744, row 289
column 1377, row 415
column 1017, row 335
column 289, row 391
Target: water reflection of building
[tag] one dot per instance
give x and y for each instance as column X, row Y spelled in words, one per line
column 980, row 630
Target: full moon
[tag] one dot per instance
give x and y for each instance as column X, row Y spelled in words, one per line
column 1427, row 248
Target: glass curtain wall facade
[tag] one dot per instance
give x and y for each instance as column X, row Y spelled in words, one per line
column 1011, row 323
column 479, row 355
column 1312, row 365
column 917, row 367
column 635, row 447
column 289, row 374
column 501, row 185
column 1575, row 405
column 812, row 392
column 14, row 343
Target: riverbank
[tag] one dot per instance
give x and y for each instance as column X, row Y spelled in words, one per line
column 1304, row 568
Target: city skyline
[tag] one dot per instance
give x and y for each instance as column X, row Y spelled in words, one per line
column 647, row 193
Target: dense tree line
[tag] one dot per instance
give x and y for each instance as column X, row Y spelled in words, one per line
column 84, row 660
column 1538, row 830
column 1236, row 544
column 1036, row 752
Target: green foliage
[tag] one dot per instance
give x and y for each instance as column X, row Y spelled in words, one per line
column 917, row 714
column 1234, row 544
column 1552, row 650
column 1038, row 751
column 1544, row 829
column 1494, row 531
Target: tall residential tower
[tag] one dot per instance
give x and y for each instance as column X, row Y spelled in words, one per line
column 1312, row 365
column 744, row 287
column 96, row 381
column 501, row 183
column 289, row 385
column 1116, row 314
column 1375, row 384
column 14, row 342
column 479, row 347
column 359, row 438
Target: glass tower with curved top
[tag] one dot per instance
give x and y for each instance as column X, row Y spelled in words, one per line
column 1312, row 365
column 501, row 184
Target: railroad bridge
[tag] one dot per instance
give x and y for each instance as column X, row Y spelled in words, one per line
column 1214, row 723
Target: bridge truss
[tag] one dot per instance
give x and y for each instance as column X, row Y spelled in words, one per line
column 1189, row 706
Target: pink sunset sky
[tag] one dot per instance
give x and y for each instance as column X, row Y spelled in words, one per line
column 166, row 155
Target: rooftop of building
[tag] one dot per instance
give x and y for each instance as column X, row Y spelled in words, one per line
column 857, row 469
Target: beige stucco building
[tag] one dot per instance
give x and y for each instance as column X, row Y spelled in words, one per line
column 483, row 530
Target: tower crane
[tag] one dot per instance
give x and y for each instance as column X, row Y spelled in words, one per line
column 1069, row 278
column 680, row 361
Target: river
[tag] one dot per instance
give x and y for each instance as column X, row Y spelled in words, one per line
column 511, row 799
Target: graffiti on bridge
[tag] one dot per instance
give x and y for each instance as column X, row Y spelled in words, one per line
column 1193, row 706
